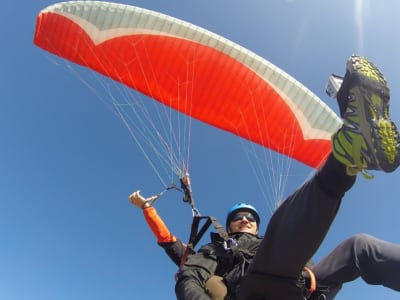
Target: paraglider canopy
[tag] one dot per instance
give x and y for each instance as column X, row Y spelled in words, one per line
column 194, row 71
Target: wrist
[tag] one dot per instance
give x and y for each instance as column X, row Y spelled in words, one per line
column 146, row 205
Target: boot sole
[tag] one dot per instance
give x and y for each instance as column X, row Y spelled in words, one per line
column 372, row 98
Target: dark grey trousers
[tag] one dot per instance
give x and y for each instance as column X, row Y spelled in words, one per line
column 375, row 261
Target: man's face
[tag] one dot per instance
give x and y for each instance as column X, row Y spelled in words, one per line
column 243, row 221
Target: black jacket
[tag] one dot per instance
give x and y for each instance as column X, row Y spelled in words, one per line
column 175, row 250
column 213, row 259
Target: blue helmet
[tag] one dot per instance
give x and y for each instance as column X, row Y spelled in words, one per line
column 242, row 207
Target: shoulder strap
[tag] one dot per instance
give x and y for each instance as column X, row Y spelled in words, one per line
column 196, row 234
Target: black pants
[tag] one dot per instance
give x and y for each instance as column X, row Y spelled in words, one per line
column 294, row 234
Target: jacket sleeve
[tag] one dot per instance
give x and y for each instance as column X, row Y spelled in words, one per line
column 173, row 246
column 175, row 250
column 194, row 273
column 157, row 226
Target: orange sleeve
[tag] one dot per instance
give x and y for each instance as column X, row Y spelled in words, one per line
column 157, row 226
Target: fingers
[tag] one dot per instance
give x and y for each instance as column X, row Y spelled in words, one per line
column 134, row 195
column 136, row 199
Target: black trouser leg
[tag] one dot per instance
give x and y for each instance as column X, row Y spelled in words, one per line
column 298, row 227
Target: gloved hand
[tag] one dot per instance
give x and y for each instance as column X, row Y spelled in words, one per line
column 138, row 200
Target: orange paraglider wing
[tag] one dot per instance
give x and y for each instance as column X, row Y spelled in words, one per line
column 194, row 71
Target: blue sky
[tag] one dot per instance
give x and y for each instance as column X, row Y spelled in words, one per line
column 68, row 163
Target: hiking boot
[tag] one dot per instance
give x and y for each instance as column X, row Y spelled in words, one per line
column 368, row 138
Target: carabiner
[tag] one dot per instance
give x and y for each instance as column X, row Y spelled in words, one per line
column 231, row 242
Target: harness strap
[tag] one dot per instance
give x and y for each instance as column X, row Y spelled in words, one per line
column 187, row 193
column 196, row 234
column 313, row 282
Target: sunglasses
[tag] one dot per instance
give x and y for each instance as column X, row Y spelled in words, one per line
column 249, row 217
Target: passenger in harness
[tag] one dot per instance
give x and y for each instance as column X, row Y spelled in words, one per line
column 376, row 261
